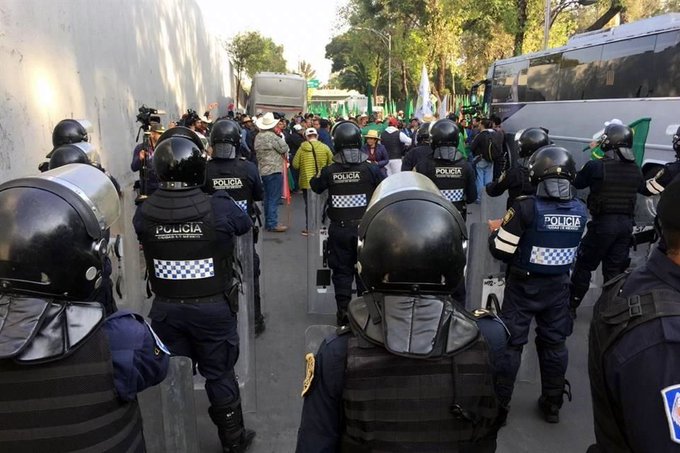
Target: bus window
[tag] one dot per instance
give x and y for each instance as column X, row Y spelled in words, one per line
column 508, row 83
column 667, row 65
column 579, row 70
column 626, row 69
column 543, row 78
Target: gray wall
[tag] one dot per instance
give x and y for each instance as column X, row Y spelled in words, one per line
column 100, row 60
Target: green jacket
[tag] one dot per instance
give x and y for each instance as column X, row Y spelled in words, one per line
column 305, row 162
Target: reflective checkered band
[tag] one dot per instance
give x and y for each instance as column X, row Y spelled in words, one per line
column 243, row 204
column 349, row 201
column 184, row 270
column 552, row 257
column 453, row 195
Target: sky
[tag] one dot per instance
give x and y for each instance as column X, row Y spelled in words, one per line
column 304, row 29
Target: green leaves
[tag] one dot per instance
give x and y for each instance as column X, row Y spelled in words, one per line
column 250, row 52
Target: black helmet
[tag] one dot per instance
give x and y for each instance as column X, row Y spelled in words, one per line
column 410, row 236
column 616, row 136
column 225, row 139
column 676, row 142
column 73, row 153
column 551, row 162
column 423, row 134
column 531, row 140
column 181, row 131
column 179, row 163
column 68, row 131
column 346, row 135
column 54, row 232
column 444, row 133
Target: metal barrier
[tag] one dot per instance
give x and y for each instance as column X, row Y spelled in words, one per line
column 320, row 294
column 245, row 366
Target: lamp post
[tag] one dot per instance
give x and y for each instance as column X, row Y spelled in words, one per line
column 387, row 39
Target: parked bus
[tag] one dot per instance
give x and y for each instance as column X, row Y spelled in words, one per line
column 628, row 72
column 275, row 92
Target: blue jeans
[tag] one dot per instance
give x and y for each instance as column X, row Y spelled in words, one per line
column 484, row 171
column 273, row 185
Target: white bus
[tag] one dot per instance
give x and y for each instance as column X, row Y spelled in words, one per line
column 275, row 92
column 628, row 72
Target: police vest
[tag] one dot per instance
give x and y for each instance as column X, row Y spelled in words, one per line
column 231, row 175
column 548, row 245
column 183, row 255
column 391, row 141
column 349, row 191
column 450, row 177
column 67, row 405
column 613, row 316
column 619, row 189
column 394, row 403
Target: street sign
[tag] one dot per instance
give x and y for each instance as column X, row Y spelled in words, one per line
column 313, row 83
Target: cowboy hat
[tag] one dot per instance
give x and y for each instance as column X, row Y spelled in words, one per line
column 267, row 121
column 372, row 134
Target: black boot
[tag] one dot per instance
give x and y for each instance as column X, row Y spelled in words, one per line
column 235, row 438
column 259, row 325
column 552, row 399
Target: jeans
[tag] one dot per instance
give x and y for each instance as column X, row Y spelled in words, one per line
column 484, row 171
column 273, row 186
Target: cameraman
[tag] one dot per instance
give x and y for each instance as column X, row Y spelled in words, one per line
column 141, row 156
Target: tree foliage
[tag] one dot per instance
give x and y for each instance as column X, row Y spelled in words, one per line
column 305, row 70
column 457, row 40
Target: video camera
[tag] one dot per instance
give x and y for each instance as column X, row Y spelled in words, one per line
column 190, row 118
column 472, row 110
column 148, row 115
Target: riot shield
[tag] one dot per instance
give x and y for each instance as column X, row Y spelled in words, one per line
column 245, row 367
column 320, row 294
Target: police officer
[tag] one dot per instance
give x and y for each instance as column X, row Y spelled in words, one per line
column 515, row 179
column 538, row 239
column 240, row 179
column 448, row 168
column 188, row 241
column 634, row 350
column 350, row 181
column 614, row 182
column 69, row 375
column 412, row 372
column 422, row 150
column 667, row 174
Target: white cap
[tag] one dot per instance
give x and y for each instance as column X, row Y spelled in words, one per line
column 297, row 127
column 613, row 121
column 311, row 131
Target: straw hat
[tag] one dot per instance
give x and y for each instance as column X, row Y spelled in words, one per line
column 267, row 121
column 372, row 134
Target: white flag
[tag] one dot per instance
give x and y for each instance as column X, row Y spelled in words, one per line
column 424, row 104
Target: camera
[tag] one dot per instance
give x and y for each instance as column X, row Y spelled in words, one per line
column 148, row 115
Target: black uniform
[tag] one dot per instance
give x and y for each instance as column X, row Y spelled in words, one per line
column 614, row 185
column 538, row 238
column 415, row 155
column 454, row 178
column 515, row 180
column 188, row 243
column 350, row 186
column 392, row 142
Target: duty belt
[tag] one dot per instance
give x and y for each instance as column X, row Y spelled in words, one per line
column 346, row 223
column 195, row 300
column 521, row 274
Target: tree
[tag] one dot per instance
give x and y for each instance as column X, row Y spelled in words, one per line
column 305, row 70
column 250, row 53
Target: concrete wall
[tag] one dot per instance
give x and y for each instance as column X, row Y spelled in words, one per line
column 100, row 60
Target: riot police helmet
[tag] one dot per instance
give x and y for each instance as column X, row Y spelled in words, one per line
column 410, row 238
column 531, row 140
column 225, row 139
column 179, row 163
column 347, row 143
column 69, row 131
column 618, row 138
column 551, row 162
column 185, row 132
column 74, row 153
column 444, row 133
column 676, row 142
column 56, row 232
column 423, row 133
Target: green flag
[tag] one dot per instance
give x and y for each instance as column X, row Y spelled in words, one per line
column 369, row 95
column 640, row 129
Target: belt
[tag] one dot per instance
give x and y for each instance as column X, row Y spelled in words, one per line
column 346, row 223
column 521, row 274
column 192, row 300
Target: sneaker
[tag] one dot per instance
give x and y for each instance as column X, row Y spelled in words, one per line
column 305, row 233
column 278, row 229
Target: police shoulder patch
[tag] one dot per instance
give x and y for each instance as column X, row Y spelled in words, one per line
column 671, row 404
column 510, row 213
column 309, row 373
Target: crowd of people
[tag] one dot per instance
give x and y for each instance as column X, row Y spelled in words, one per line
column 409, row 369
